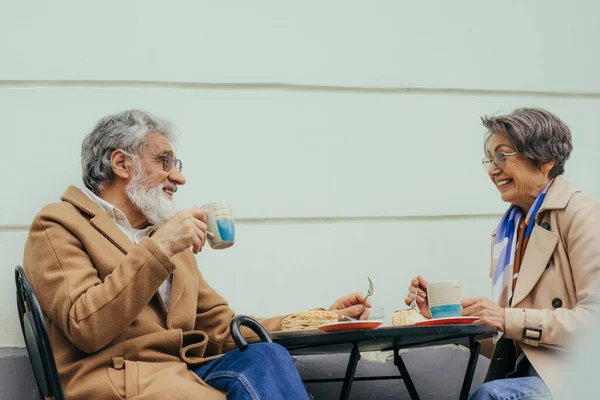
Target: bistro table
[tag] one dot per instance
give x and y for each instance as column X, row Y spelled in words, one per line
column 385, row 339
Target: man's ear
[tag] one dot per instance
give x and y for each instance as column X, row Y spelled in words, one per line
column 546, row 167
column 120, row 164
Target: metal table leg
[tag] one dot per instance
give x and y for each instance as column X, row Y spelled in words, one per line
column 412, row 391
column 474, row 346
column 350, row 371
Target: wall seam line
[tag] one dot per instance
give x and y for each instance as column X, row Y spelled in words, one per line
column 270, row 86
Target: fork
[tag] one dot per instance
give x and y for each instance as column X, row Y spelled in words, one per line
column 370, row 291
column 413, row 303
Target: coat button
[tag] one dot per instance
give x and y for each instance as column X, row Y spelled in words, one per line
column 545, row 225
column 557, row 303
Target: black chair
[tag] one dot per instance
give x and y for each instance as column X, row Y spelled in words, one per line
column 40, row 350
column 36, row 339
column 251, row 323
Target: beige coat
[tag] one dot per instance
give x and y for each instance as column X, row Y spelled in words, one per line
column 559, row 283
column 111, row 335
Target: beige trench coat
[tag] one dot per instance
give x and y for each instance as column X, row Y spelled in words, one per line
column 558, row 289
column 111, row 335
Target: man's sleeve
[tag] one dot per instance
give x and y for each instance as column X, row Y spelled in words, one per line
column 90, row 313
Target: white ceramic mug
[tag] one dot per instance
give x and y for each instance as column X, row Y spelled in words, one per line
column 221, row 226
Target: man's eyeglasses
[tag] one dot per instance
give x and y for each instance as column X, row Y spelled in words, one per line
column 499, row 159
column 169, row 161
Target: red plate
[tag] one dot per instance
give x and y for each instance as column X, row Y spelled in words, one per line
column 349, row 326
column 448, row 321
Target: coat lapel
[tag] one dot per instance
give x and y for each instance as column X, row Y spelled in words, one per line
column 177, row 287
column 99, row 220
column 537, row 255
column 179, row 303
column 179, row 280
column 111, row 231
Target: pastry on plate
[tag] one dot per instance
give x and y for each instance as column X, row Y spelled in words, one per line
column 308, row 320
column 409, row 316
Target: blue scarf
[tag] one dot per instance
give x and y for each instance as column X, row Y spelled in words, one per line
column 505, row 247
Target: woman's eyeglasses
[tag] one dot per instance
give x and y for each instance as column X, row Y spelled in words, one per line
column 499, row 159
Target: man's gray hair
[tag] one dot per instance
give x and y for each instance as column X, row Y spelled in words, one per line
column 536, row 134
column 127, row 131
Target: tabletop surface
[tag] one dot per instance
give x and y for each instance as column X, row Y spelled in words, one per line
column 384, row 338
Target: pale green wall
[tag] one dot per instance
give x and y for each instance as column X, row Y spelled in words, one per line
column 347, row 136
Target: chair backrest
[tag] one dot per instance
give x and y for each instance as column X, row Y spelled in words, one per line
column 36, row 339
column 251, row 323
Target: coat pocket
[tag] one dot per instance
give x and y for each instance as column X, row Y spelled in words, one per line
column 124, row 377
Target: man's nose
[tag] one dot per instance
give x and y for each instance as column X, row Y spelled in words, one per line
column 177, row 176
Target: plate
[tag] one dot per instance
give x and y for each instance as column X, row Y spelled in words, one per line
column 349, row 326
column 448, row 321
column 296, row 333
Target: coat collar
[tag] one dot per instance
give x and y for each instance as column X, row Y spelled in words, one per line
column 557, row 198
column 542, row 241
column 558, row 195
column 99, row 219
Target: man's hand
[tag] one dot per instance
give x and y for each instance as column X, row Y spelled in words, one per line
column 186, row 229
column 352, row 305
column 487, row 311
column 418, row 289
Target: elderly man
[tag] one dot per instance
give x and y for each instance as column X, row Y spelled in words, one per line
column 128, row 312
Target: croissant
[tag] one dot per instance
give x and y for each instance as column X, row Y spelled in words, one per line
column 308, row 319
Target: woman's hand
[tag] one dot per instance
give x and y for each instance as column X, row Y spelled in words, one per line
column 418, row 288
column 352, row 305
column 487, row 311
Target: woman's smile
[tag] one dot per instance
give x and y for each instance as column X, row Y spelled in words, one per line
column 504, row 184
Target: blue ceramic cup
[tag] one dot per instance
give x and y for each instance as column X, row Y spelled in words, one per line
column 446, row 311
column 220, row 223
column 444, row 299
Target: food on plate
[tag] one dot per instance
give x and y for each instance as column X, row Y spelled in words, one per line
column 409, row 316
column 308, row 320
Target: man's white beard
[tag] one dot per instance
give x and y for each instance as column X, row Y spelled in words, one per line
column 149, row 199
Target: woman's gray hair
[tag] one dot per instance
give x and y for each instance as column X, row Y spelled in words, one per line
column 534, row 133
column 127, row 131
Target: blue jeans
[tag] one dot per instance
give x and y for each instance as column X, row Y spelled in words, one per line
column 529, row 387
column 262, row 371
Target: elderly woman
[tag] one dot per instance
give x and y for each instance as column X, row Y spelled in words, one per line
column 545, row 263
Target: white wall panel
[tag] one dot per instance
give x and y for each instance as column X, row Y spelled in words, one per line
column 276, row 268
column 280, row 154
column 538, row 45
column 282, row 267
